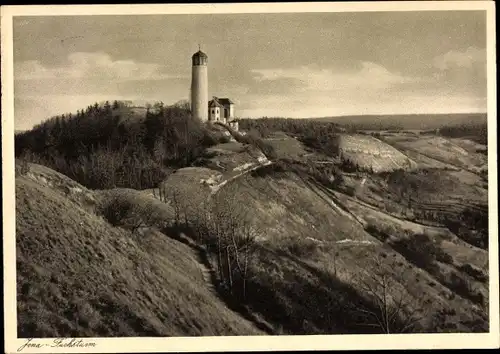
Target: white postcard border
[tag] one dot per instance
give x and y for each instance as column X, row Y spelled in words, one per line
column 242, row 343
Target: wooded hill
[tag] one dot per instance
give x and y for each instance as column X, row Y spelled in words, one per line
column 101, row 147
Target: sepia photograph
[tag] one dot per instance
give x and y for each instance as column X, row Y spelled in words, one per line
column 270, row 176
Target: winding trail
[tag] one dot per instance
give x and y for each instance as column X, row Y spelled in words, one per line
column 217, row 187
column 207, row 270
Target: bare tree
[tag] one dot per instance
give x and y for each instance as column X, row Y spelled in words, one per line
column 174, row 197
column 394, row 310
column 235, row 236
column 159, row 151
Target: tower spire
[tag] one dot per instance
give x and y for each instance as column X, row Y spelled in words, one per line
column 199, row 47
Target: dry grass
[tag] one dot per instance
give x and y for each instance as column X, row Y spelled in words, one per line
column 370, row 153
column 285, row 206
column 287, row 147
column 298, row 258
column 457, row 152
column 79, row 276
column 304, row 277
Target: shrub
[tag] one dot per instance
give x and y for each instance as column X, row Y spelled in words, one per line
column 473, row 272
column 464, row 288
column 419, row 249
column 351, row 191
column 301, row 247
column 442, row 256
column 476, row 235
column 275, row 168
column 373, row 230
column 21, row 167
column 120, row 211
column 348, row 166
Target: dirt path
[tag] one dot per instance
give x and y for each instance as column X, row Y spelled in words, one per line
column 207, row 270
column 389, row 215
column 209, row 276
column 217, row 187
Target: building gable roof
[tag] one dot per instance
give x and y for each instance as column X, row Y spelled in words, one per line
column 215, row 103
column 225, row 101
column 220, row 102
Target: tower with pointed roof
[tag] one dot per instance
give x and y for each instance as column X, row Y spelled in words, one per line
column 199, row 86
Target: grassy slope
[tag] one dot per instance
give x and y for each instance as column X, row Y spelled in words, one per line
column 287, row 147
column 300, row 228
column 461, row 252
column 449, row 151
column 79, row 276
column 309, row 270
column 295, row 283
column 367, row 151
column 434, row 187
column 286, row 207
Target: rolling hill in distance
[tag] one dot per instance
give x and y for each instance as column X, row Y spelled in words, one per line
column 408, row 121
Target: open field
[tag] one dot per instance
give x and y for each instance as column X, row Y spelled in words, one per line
column 457, row 152
column 287, row 147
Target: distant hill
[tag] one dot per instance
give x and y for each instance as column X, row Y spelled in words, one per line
column 407, row 121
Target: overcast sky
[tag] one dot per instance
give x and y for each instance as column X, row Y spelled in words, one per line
column 293, row 65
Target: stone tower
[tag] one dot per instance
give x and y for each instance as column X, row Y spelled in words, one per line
column 199, row 86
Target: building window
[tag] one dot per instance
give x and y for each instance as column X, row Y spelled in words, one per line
column 213, row 111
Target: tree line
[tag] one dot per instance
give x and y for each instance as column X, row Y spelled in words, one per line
column 479, row 132
column 321, row 136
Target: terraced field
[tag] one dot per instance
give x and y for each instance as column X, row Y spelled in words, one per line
column 370, row 153
column 461, row 153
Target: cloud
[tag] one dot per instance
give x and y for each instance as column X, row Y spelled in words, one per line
column 367, row 76
column 366, row 88
column 84, row 78
column 86, row 65
column 281, row 85
column 460, row 59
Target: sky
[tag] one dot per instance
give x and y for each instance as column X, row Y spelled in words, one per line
column 297, row 65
